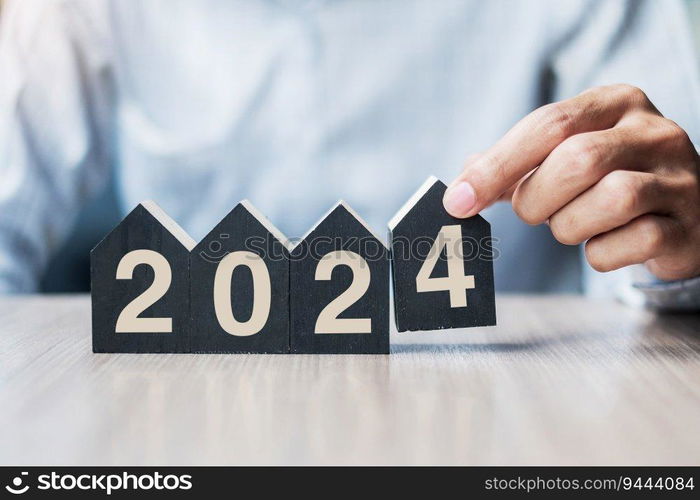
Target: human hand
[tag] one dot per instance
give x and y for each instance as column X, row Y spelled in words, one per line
column 604, row 167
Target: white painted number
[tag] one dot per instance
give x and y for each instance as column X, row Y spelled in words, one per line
column 128, row 320
column 328, row 321
column 262, row 294
column 456, row 282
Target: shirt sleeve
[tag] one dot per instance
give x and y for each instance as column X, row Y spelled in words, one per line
column 55, row 105
column 646, row 43
column 682, row 295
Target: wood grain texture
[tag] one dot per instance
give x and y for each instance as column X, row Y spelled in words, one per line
column 561, row 380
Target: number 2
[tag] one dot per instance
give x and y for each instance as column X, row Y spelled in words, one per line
column 456, row 282
column 128, row 320
column 328, row 321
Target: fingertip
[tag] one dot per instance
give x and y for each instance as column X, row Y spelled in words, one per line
column 460, row 200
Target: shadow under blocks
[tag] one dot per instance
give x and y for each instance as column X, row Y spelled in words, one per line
column 442, row 267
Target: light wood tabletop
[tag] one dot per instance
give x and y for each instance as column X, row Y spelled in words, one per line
column 562, row 380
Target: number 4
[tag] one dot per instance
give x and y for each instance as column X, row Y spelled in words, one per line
column 456, row 282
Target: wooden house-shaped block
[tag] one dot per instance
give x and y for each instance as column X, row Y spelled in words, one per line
column 339, row 284
column 442, row 267
column 239, row 279
column 140, row 285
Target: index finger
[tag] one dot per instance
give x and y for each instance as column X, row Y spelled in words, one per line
column 530, row 141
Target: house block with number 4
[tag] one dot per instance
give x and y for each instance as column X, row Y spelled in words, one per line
column 442, row 267
column 140, row 285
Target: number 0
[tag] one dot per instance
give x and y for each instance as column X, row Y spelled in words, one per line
column 262, row 294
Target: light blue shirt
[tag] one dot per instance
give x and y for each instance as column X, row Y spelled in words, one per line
column 294, row 104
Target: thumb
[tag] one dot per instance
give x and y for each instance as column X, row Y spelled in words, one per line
column 460, row 197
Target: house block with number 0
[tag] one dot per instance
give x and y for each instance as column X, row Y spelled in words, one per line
column 239, row 286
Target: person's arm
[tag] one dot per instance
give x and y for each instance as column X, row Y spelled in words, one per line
column 55, row 104
column 605, row 167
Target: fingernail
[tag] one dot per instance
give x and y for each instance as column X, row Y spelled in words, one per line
column 459, row 199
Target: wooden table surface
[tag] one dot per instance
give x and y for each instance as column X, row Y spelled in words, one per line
column 561, row 380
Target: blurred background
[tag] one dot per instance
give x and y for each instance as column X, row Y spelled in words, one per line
column 69, row 270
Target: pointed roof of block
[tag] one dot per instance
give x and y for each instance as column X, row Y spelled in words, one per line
column 150, row 209
column 412, row 201
column 351, row 211
column 169, row 223
column 250, row 209
column 267, row 224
